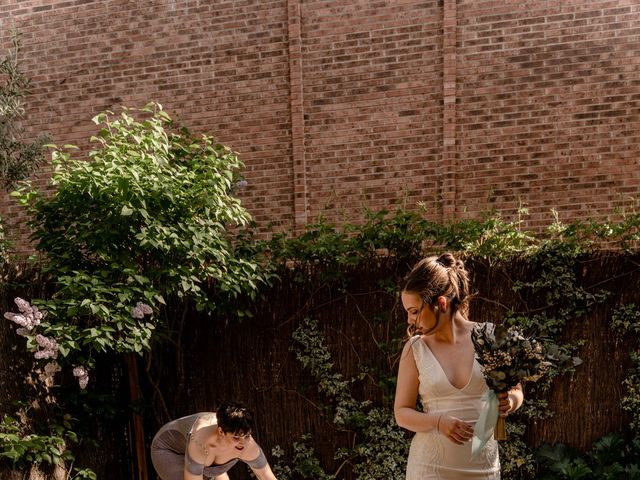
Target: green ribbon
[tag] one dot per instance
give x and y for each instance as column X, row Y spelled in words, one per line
column 486, row 423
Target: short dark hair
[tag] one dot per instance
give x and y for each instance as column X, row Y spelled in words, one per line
column 234, row 417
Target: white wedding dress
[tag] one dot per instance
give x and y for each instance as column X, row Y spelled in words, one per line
column 432, row 455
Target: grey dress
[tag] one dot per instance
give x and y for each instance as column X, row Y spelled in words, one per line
column 169, row 455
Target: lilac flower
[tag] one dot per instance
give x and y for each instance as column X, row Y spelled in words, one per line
column 140, row 310
column 83, row 376
column 49, row 347
column 23, row 305
column 146, row 309
column 28, row 318
column 19, row 319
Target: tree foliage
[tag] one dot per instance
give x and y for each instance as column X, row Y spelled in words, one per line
column 18, row 158
column 143, row 219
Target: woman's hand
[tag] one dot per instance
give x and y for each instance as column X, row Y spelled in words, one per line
column 454, row 429
column 505, row 405
column 510, row 401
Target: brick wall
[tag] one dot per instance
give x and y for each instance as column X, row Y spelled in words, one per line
column 548, row 110
column 465, row 105
column 372, row 76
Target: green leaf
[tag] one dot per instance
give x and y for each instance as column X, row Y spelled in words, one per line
column 126, row 211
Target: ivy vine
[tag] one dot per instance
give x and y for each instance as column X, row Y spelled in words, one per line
column 549, row 301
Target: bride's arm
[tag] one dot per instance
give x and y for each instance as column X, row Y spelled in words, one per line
column 404, row 407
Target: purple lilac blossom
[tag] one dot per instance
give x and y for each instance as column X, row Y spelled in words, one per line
column 83, row 376
column 49, row 347
column 140, row 310
column 28, row 318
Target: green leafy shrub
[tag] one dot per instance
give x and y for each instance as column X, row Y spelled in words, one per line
column 145, row 218
column 610, row 458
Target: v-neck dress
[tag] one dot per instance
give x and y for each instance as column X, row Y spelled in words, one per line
column 433, row 456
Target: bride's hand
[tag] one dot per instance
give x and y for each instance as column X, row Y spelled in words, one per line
column 456, row 430
column 505, row 405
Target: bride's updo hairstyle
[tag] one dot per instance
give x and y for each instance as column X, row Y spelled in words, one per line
column 435, row 276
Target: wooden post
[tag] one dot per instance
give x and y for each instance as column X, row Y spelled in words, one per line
column 136, row 420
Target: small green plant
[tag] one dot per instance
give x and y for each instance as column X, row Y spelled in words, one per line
column 23, row 449
column 50, row 447
column 625, row 321
column 304, row 465
column 18, row 158
column 610, row 458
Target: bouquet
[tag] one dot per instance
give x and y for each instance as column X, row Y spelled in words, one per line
column 508, row 358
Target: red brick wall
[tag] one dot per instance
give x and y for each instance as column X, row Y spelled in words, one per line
column 219, row 67
column 548, row 110
column 372, row 76
column 466, row 106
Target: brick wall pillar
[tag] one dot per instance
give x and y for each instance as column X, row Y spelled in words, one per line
column 297, row 117
column 449, row 162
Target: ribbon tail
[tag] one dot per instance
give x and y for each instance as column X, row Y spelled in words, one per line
column 483, row 429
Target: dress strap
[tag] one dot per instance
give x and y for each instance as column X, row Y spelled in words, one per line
column 259, row 462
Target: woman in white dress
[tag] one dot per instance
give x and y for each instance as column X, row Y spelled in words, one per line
column 438, row 365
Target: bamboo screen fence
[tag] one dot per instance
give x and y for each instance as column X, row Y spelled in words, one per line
column 207, row 359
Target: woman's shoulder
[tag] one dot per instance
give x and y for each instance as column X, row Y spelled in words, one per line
column 202, row 420
column 251, row 451
column 208, row 416
column 412, row 342
column 413, row 350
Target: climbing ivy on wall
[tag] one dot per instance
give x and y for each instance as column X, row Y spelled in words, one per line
column 549, row 300
column 625, row 322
